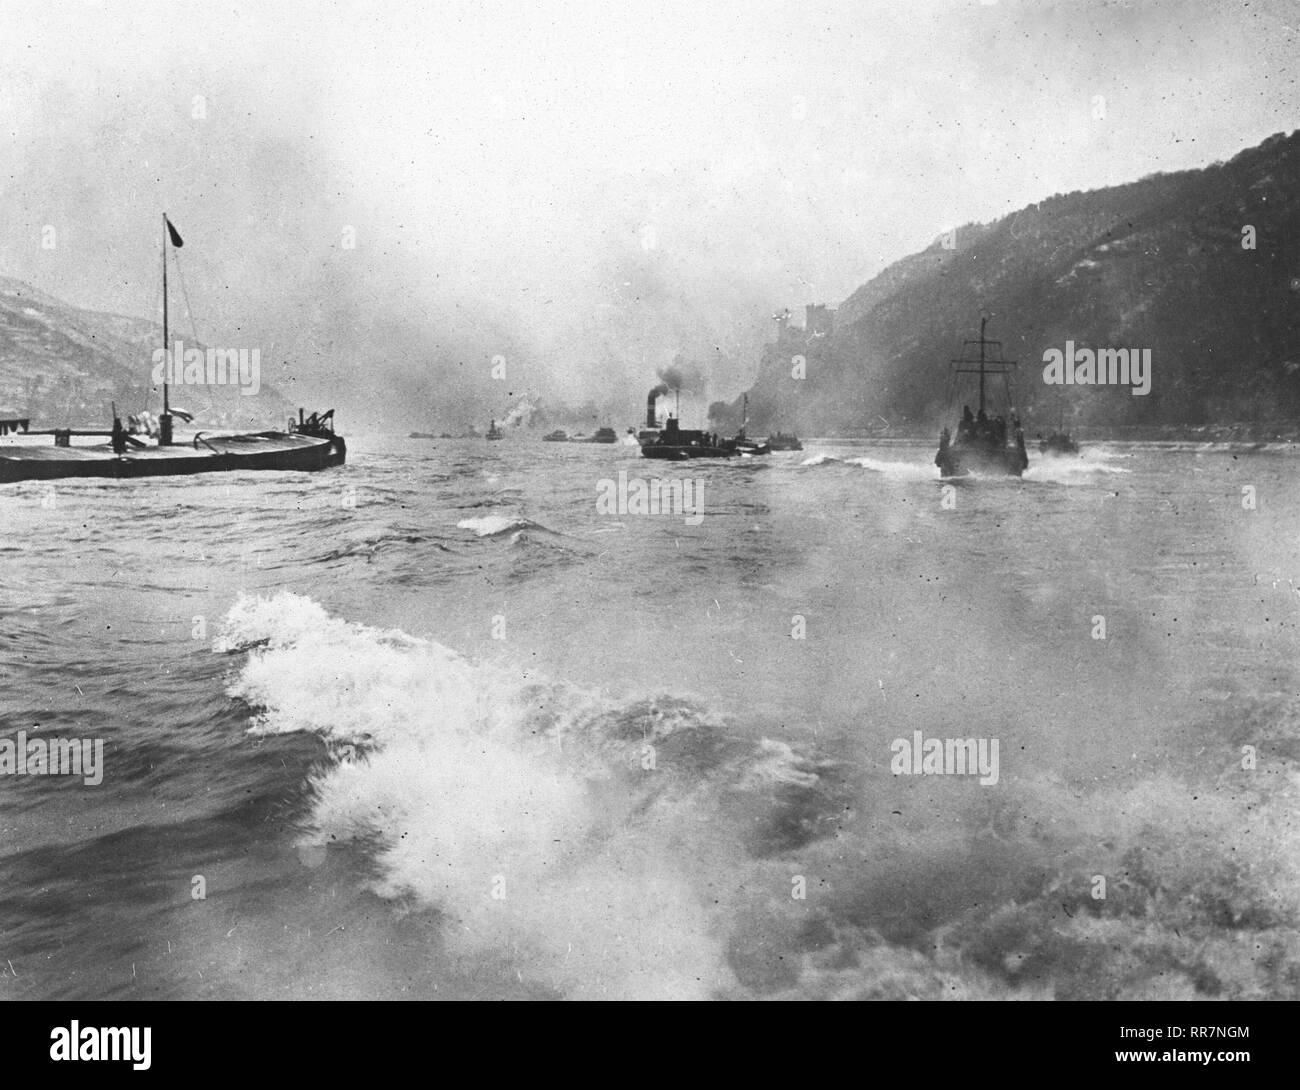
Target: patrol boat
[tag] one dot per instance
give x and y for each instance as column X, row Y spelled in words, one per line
column 984, row 445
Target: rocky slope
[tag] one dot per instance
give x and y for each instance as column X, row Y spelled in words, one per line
column 1165, row 264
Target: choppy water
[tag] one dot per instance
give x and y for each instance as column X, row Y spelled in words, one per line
column 394, row 722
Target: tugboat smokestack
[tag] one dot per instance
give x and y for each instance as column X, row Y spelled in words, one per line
column 650, row 421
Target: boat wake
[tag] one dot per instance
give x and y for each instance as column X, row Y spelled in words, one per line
column 901, row 470
column 647, row 847
column 1072, row 469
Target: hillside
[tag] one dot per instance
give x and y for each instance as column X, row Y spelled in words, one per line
column 60, row 365
column 1157, row 264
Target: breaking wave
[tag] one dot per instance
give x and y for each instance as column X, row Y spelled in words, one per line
column 536, row 816
column 646, row 847
column 495, row 525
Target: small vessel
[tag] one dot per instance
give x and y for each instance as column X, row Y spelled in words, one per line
column 745, row 446
column 988, row 446
column 309, row 443
column 493, row 431
column 781, row 441
column 603, row 435
column 425, row 435
column 1059, row 442
column 557, row 436
column 676, row 443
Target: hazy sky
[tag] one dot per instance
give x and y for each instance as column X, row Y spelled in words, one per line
column 586, row 189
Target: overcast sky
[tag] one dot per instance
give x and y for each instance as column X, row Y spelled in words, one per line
column 584, row 188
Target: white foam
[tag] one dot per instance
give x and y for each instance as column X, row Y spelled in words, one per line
column 464, row 795
column 912, row 471
column 1068, row 468
column 899, row 470
column 491, row 525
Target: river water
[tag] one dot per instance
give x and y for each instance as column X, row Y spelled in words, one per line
column 443, row 724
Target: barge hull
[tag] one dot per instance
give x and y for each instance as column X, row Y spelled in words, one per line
column 220, row 454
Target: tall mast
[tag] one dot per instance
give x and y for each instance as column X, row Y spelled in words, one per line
column 983, row 323
column 999, row 366
column 166, row 344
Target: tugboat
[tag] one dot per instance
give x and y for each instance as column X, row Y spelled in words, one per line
column 781, row 441
column 677, row 443
column 493, row 431
column 984, row 445
column 309, row 443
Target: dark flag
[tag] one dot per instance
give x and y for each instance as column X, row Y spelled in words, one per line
column 176, row 239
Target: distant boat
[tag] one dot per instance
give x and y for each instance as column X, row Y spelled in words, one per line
column 781, row 441
column 494, row 432
column 557, row 436
column 989, row 446
column 744, row 445
column 423, row 435
column 1059, row 442
column 310, row 443
column 674, row 443
column 603, row 435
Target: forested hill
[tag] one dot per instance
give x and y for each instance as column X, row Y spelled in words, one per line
column 62, row 365
column 1202, row 267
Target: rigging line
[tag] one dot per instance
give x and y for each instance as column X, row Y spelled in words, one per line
column 189, row 313
column 148, row 386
